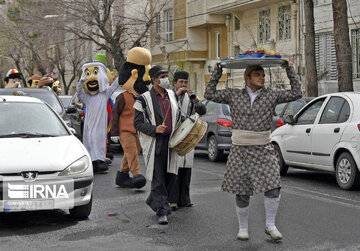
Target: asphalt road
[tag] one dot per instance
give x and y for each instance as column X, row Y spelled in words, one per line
column 314, row 214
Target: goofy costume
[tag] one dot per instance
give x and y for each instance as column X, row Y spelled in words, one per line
column 94, row 91
column 134, row 78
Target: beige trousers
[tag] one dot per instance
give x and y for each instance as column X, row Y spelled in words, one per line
column 131, row 145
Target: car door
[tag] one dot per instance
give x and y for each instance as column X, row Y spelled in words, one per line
column 297, row 139
column 327, row 132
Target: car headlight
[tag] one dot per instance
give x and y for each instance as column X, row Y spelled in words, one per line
column 76, row 167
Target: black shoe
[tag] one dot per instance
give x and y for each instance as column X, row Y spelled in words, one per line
column 100, row 166
column 138, row 181
column 110, row 155
column 123, row 180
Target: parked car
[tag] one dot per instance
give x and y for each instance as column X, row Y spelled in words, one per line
column 285, row 109
column 66, row 100
column 217, row 138
column 43, row 165
column 324, row 135
column 43, row 94
column 77, row 117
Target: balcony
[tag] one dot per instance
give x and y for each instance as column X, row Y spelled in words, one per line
column 196, row 10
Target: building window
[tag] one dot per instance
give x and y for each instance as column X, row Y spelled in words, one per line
column 284, row 24
column 325, row 54
column 157, row 29
column 169, row 32
column 217, row 45
column 236, row 50
column 355, row 44
column 264, row 26
column 236, row 23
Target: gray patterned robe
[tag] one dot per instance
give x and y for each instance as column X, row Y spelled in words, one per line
column 253, row 169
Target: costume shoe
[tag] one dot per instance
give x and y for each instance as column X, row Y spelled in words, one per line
column 274, row 234
column 123, row 180
column 99, row 166
column 138, row 181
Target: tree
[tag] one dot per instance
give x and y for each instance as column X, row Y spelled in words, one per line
column 108, row 25
column 342, row 45
column 311, row 72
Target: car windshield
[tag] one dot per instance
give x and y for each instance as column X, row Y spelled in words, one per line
column 23, row 119
column 226, row 109
column 48, row 97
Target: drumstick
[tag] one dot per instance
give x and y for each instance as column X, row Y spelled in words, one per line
column 167, row 112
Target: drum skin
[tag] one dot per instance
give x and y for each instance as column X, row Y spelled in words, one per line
column 188, row 134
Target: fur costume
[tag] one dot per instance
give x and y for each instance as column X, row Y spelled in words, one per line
column 50, row 80
column 134, row 78
column 33, row 81
column 94, row 91
column 13, row 79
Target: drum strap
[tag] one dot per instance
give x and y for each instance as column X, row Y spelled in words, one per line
column 250, row 138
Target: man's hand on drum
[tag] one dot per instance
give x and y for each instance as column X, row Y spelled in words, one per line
column 160, row 129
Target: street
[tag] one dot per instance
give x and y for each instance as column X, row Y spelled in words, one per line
column 314, row 214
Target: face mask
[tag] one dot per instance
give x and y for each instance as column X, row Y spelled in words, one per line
column 164, row 83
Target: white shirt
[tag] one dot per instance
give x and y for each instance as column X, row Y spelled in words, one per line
column 252, row 94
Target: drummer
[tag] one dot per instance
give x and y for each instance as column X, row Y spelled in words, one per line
column 252, row 166
column 157, row 114
column 189, row 104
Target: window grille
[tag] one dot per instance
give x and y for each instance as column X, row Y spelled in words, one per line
column 284, row 23
column 236, row 23
column 355, row 46
column 169, row 33
column 325, row 54
column 236, row 50
column 264, row 26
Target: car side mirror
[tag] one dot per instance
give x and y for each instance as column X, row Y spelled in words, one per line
column 289, row 119
column 71, row 109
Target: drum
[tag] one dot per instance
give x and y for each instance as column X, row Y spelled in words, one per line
column 188, row 134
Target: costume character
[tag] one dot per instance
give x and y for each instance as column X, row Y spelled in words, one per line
column 94, row 91
column 157, row 114
column 13, row 79
column 50, row 80
column 33, row 81
column 134, row 78
column 189, row 104
column 252, row 166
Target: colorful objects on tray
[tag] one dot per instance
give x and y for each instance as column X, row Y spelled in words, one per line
column 259, row 53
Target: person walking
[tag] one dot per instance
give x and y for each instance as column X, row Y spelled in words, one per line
column 189, row 104
column 252, row 166
column 156, row 117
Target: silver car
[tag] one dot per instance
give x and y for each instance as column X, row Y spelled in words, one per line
column 218, row 135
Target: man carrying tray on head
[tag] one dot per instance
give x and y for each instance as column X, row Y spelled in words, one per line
column 252, row 166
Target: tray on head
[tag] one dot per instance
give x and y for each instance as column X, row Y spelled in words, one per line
column 242, row 63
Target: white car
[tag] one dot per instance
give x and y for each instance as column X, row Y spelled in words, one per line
column 43, row 165
column 324, row 135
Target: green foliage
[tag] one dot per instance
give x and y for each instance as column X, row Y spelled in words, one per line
column 2, row 2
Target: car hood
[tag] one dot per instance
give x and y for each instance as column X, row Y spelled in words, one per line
column 39, row 154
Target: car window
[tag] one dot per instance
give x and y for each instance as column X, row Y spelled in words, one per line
column 50, row 98
column 332, row 110
column 66, row 100
column 34, row 118
column 279, row 108
column 293, row 107
column 226, row 109
column 308, row 116
column 344, row 113
column 212, row 108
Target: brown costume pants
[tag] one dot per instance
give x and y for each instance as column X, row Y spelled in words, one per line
column 131, row 146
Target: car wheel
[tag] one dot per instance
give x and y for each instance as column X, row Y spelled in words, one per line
column 214, row 153
column 347, row 174
column 283, row 167
column 81, row 212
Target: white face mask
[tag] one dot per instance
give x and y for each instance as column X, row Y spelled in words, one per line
column 164, row 83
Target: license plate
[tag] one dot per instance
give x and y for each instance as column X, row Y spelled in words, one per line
column 25, row 205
